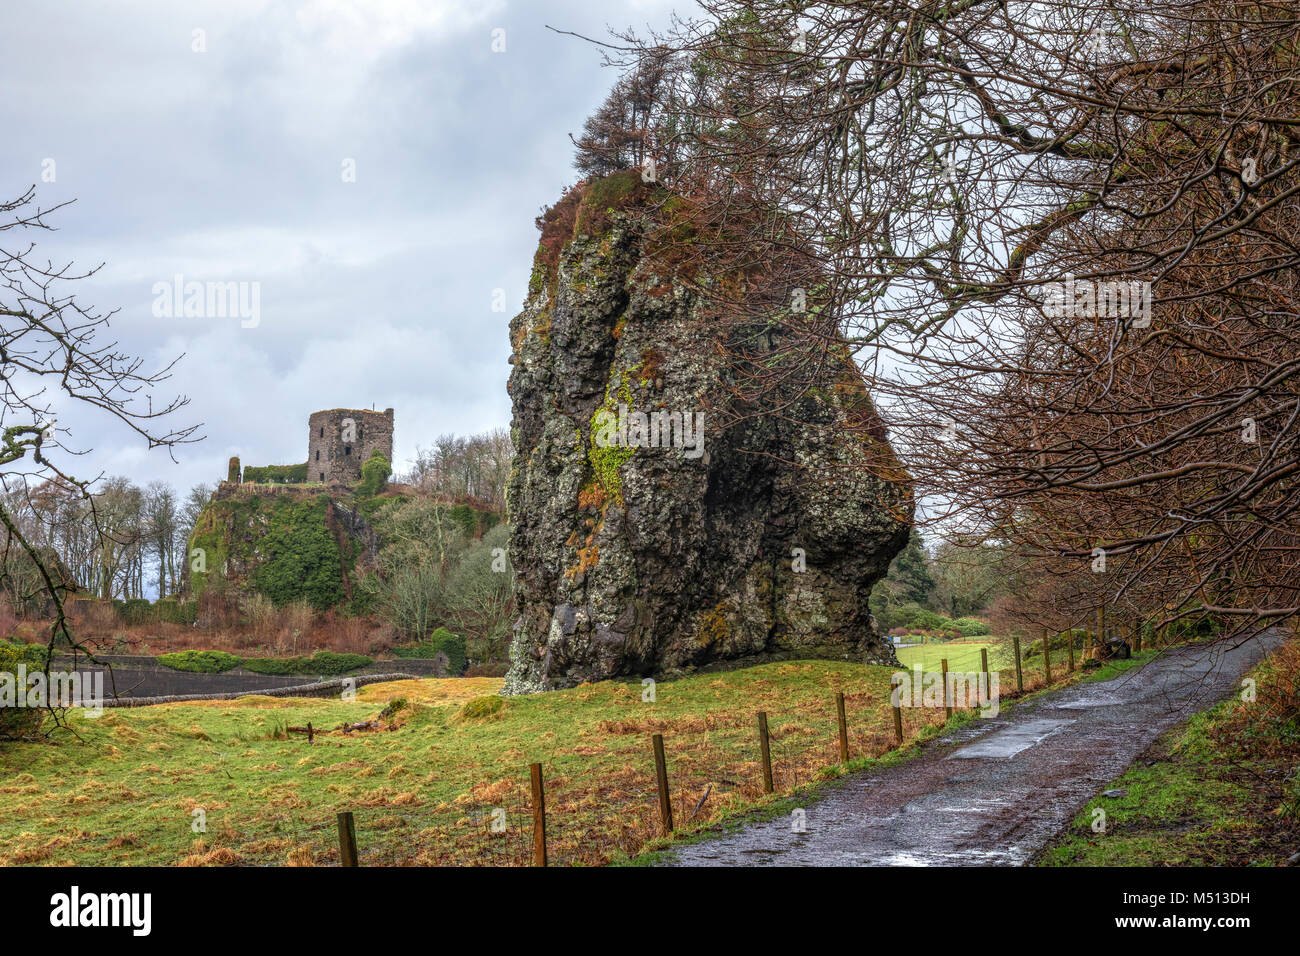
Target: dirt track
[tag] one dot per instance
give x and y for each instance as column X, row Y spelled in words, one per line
column 996, row 791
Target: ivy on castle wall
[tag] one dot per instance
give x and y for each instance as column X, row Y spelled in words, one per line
column 276, row 474
column 284, row 544
column 300, row 558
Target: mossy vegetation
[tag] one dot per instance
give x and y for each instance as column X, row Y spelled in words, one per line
column 605, row 197
column 276, row 474
column 374, row 475
column 606, row 461
column 481, row 708
column 301, row 560
column 587, row 209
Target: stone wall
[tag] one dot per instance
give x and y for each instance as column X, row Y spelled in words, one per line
column 138, row 676
column 341, row 439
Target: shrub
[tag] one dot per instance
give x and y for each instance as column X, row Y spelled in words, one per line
column 273, row 665
column 972, row 627
column 135, row 611
column 16, row 652
column 165, row 610
column 200, row 662
column 441, row 640
column 328, row 662
column 374, row 475
column 19, row 722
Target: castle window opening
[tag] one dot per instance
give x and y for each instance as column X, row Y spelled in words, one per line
column 348, row 450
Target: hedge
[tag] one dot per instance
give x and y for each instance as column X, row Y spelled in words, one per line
column 214, row 662
column 200, row 662
column 322, row 662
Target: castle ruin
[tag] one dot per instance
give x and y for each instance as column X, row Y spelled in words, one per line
column 341, row 439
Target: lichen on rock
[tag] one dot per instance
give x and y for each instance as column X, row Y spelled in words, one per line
column 762, row 543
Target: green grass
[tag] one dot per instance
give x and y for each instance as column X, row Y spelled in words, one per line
column 423, row 791
column 962, row 656
column 450, row 752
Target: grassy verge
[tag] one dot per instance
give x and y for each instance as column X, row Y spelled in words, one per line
column 1221, row 789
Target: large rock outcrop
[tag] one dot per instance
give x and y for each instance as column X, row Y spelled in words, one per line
column 761, row 543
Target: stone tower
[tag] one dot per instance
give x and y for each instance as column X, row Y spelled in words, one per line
column 341, row 439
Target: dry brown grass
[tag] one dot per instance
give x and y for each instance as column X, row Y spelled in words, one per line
column 265, row 631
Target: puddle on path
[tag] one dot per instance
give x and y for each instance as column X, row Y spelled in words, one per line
column 1007, row 743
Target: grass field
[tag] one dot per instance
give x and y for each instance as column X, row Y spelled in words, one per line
column 451, row 754
column 424, row 789
column 961, row 655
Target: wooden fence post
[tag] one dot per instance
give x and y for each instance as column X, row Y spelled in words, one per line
column 347, row 839
column 1047, row 656
column 1069, row 642
column 539, row 815
column 661, row 774
column 898, row 723
column 311, row 734
column 947, row 697
column 1020, row 674
column 767, row 752
column 844, row 729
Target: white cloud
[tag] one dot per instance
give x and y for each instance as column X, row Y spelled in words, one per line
column 226, row 165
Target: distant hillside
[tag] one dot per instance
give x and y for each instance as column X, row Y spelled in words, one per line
column 296, row 543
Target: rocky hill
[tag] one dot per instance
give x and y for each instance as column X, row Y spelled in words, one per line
column 293, row 543
column 641, row 546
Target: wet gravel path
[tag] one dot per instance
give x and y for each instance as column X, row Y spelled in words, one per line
column 994, row 792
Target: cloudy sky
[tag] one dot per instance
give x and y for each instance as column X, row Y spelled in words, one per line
column 373, row 166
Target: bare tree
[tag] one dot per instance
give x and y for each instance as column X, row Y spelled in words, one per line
column 1059, row 239
column 53, row 350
